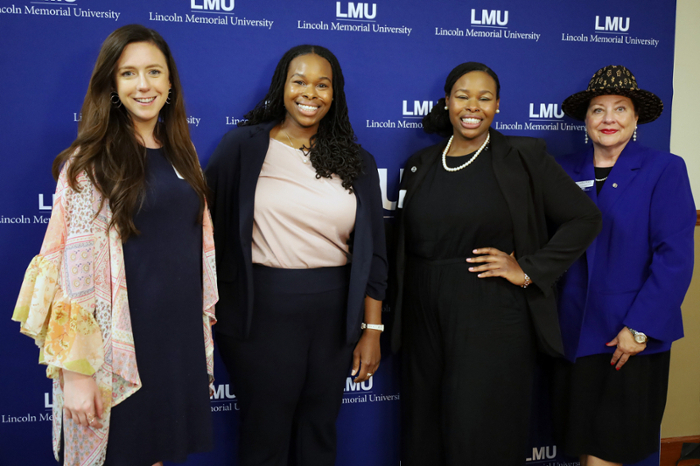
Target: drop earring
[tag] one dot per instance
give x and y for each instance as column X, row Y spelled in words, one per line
column 585, row 138
column 634, row 135
column 170, row 93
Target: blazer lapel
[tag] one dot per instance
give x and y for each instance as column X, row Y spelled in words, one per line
column 419, row 170
column 413, row 176
column 513, row 180
column 252, row 157
column 585, row 171
column 620, row 178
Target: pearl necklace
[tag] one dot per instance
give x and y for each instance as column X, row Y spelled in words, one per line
column 303, row 155
column 447, row 148
column 600, row 180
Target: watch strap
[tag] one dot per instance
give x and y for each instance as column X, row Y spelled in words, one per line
column 379, row 327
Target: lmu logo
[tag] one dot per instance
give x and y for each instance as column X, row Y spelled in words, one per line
column 223, row 392
column 490, row 18
column 613, row 24
column 542, row 453
column 383, row 186
column 355, row 10
column 549, row 111
column 43, row 206
column 351, row 386
column 420, row 108
column 213, row 5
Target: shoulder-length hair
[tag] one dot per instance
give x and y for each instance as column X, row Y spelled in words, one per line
column 334, row 149
column 107, row 147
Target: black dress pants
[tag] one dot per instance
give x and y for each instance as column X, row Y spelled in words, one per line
column 290, row 372
column 467, row 368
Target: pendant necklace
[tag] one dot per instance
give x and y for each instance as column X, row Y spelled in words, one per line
column 304, row 156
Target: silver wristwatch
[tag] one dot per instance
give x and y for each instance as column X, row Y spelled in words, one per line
column 639, row 337
column 379, row 327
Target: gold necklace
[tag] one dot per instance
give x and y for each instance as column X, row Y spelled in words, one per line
column 304, row 156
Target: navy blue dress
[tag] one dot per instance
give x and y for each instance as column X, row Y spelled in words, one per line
column 170, row 416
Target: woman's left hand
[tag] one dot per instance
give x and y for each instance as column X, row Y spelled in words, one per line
column 497, row 264
column 367, row 355
column 626, row 347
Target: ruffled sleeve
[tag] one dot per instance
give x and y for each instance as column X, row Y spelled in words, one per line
column 62, row 324
column 35, row 298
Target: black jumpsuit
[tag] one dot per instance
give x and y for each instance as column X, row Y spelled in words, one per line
column 468, row 347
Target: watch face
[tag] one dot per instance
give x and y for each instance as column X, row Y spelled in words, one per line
column 640, row 338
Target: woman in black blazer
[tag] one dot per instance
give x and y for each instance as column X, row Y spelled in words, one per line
column 301, row 261
column 486, row 224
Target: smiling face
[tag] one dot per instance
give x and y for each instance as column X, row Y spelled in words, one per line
column 611, row 121
column 472, row 105
column 142, row 81
column 308, row 91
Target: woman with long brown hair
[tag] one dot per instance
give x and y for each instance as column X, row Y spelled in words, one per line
column 129, row 372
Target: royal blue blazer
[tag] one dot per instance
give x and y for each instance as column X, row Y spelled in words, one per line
column 638, row 269
column 232, row 175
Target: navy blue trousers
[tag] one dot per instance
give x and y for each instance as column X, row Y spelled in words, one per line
column 289, row 373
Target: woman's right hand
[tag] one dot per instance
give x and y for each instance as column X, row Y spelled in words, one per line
column 626, row 347
column 82, row 400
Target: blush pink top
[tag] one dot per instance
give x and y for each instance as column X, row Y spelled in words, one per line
column 300, row 221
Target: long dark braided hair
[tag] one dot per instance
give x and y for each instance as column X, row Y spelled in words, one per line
column 333, row 148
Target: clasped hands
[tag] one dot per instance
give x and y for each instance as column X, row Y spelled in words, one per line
column 497, row 263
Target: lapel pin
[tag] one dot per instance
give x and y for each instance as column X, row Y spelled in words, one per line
column 413, row 169
column 614, row 185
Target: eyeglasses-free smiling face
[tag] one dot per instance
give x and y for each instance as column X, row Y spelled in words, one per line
column 472, row 105
column 308, row 92
column 611, row 120
column 142, row 82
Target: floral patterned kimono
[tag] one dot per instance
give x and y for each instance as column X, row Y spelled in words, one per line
column 73, row 302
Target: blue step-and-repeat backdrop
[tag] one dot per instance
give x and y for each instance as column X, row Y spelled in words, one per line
column 395, row 55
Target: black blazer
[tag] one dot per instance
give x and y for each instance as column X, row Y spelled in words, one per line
column 232, row 174
column 553, row 221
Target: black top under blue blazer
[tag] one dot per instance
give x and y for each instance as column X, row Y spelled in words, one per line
column 232, row 174
column 637, row 271
column 553, row 223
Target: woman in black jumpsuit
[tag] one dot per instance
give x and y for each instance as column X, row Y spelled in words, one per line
column 486, row 223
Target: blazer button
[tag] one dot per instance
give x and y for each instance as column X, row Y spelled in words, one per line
column 614, row 185
column 413, row 169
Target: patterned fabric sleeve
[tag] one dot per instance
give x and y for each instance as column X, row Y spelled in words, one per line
column 55, row 304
